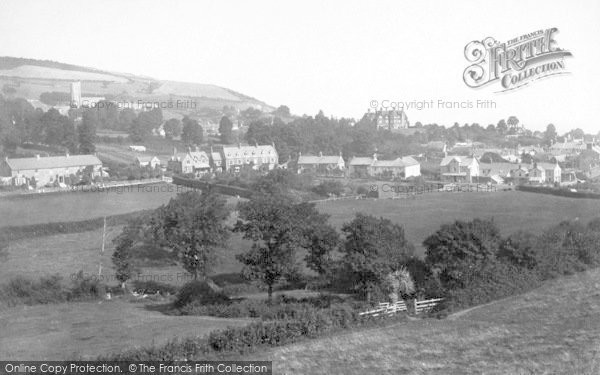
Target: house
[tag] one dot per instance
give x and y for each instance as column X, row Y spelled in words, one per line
column 147, row 161
column 321, row 163
column 553, row 172
column 257, row 156
column 459, row 169
column 403, row 167
column 137, row 148
column 537, row 174
column 56, row 170
column 568, row 177
column 520, row 175
column 195, row 162
column 497, row 173
column 216, row 161
column 388, row 119
column 358, row 166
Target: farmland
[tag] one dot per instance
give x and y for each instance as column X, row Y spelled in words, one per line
column 551, row 330
column 512, row 211
column 75, row 206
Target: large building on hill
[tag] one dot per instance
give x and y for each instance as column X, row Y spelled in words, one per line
column 55, row 170
column 388, row 119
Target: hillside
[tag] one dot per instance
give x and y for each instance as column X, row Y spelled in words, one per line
column 30, row 78
column 552, row 330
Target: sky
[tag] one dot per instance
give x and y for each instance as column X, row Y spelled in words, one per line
column 341, row 57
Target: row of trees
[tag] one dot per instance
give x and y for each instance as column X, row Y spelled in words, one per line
column 21, row 123
column 368, row 256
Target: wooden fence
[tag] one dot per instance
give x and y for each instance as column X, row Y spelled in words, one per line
column 386, row 308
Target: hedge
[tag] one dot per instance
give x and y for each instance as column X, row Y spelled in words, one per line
column 310, row 322
column 559, row 192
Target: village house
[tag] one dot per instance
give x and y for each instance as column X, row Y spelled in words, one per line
column 403, row 167
column 56, row 170
column 537, row 174
column 257, row 156
column 388, row 119
column 191, row 162
column 459, row 169
column 216, row 161
column 321, row 163
column 552, row 171
column 147, row 161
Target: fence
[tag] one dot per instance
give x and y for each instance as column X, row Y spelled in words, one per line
column 386, row 308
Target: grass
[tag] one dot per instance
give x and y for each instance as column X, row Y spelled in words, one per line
column 511, row 210
column 551, row 330
column 66, row 254
column 88, row 330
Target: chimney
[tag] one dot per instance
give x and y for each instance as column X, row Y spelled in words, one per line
column 239, row 145
column 375, row 156
column 67, row 154
column 320, row 154
column 174, row 150
column 37, row 156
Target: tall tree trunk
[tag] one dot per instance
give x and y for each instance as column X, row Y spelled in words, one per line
column 270, row 293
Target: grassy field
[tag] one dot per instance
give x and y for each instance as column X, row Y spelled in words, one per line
column 552, row 330
column 74, row 206
column 66, row 254
column 88, row 330
column 511, row 210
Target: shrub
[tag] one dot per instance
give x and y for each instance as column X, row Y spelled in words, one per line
column 20, row 290
column 85, row 288
column 200, row 292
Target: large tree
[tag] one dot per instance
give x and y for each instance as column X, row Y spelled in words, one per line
column 458, row 248
column 173, row 128
column 278, row 228
column 192, row 133
column 374, row 247
column 225, row 129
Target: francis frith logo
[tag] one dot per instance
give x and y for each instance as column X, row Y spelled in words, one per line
column 515, row 63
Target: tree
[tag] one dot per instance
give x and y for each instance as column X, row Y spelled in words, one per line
column 144, row 124
column 550, row 134
column 122, row 256
column 225, row 129
column 282, row 111
column 192, row 133
column 87, row 132
column 193, row 226
column 457, row 249
column 502, row 127
column 278, row 228
column 173, row 128
column 373, row 249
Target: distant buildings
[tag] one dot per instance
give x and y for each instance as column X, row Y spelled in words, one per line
column 190, row 162
column 535, row 173
column 257, row 156
column 459, row 169
column 388, row 119
column 321, row 163
column 403, row 167
column 147, row 161
column 56, row 170
column 78, row 101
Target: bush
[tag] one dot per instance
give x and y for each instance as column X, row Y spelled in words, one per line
column 309, row 322
column 493, row 281
column 49, row 289
column 199, row 292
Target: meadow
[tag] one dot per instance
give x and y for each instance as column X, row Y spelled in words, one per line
column 423, row 215
column 81, row 205
column 550, row 330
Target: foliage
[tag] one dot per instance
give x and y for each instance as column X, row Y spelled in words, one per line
column 373, row 248
column 225, row 129
column 328, row 188
column 192, row 133
column 201, row 292
column 459, row 247
column 278, row 228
